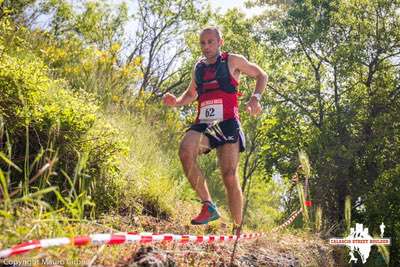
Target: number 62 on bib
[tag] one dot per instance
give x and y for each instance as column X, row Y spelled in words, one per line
column 211, row 110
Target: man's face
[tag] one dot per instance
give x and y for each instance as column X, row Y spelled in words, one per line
column 210, row 44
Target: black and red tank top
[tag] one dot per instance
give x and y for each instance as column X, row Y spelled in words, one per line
column 217, row 91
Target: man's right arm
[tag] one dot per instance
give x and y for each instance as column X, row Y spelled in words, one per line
column 186, row 98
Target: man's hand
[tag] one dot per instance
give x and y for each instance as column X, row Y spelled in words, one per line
column 253, row 106
column 169, row 100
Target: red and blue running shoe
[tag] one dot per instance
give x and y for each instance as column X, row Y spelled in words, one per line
column 208, row 213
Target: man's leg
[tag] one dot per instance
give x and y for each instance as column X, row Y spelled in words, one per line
column 191, row 146
column 228, row 158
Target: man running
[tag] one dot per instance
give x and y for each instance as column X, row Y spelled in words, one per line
column 214, row 83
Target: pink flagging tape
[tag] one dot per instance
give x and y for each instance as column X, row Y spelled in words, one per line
column 119, row 238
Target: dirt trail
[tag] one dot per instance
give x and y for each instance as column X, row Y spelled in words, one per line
column 274, row 250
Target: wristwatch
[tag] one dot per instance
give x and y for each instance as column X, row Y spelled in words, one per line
column 257, row 96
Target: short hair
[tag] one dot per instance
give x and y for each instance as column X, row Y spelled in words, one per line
column 214, row 29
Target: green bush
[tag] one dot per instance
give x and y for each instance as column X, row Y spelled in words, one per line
column 150, row 176
column 121, row 162
column 382, row 204
column 41, row 114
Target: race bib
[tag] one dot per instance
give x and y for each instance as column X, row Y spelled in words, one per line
column 211, row 110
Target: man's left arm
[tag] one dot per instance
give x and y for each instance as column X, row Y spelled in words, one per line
column 252, row 70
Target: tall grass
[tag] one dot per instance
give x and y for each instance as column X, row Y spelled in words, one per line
column 304, row 195
column 384, row 250
column 151, row 178
column 347, row 214
column 36, row 187
column 318, row 219
column 4, row 192
column 306, row 217
column 305, row 163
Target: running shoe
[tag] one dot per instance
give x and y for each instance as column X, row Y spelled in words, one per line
column 207, row 214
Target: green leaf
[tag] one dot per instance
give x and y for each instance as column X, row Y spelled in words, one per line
column 9, row 162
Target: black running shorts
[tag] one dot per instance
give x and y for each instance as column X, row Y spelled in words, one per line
column 219, row 133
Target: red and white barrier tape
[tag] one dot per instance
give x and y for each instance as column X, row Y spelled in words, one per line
column 119, row 238
column 291, row 218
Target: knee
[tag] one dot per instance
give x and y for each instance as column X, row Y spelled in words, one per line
column 186, row 153
column 229, row 174
column 230, row 179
